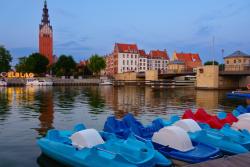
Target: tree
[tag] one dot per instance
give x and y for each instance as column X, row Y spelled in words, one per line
column 211, row 63
column 96, row 63
column 21, row 66
column 65, row 65
column 36, row 63
column 5, row 60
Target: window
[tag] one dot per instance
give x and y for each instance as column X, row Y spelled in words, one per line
column 227, row 61
column 239, row 61
column 234, row 61
column 123, row 55
column 132, row 56
column 127, row 55
column 127, row 62
column 123, row 62
column 131, row 62
column 135, row 56
column 143, row 68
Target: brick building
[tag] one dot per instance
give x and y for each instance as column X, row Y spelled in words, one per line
column 46, row 35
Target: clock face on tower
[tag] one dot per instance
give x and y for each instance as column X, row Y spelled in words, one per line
column 46, row 35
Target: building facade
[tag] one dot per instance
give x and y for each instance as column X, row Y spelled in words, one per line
column 237, row 61
column 46, row 35
column 176, row 66
column 128, row 58
column 191, row 60
column 158, row 60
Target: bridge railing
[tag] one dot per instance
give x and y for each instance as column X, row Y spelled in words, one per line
column 236, row 68
column 179, row 71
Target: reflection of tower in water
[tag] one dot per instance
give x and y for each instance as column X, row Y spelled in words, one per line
column 46, row 111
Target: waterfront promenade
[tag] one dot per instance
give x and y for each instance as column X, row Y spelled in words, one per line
column 57, row 81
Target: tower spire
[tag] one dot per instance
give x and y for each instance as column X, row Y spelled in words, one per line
column 45, row 17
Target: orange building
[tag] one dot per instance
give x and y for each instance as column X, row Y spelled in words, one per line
column 46, row 35
column 191, row 60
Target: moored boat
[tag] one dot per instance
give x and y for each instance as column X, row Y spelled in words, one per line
column 87, row 147
column 171, row 141
column 106, row 82
column 38, row 82
column 3, row 82
column 226, row 139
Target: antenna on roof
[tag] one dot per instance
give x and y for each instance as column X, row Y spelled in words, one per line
column 222, row 52
column 213, row 52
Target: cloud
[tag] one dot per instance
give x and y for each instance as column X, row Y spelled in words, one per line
column 205, row 30
column 65, row 13
column 227, row 11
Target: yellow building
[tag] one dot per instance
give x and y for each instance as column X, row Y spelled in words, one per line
column 237, row 61
column 176, row 66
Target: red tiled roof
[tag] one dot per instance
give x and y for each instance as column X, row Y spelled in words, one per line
column 127, row 48
column 188, row 57
column 158, row 54
column 142, row 53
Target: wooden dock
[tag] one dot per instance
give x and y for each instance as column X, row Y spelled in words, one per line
column 241, row 160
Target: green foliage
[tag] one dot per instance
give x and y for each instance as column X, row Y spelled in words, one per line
column 35, row 63
column 21, row 66
column 211, row 63
column 65, row 66
column 96, row 63
column 5, row 60
column 83, row 71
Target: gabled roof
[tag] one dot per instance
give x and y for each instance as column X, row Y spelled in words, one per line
column 192, row 57
column 159, row 54
column 126, row 48
column 237, row 54
column 142, row 53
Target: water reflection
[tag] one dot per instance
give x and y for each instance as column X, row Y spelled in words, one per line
column 45, row 161
column 46, row 111
column 4, row 104
column 96, row 102
column 28, row 113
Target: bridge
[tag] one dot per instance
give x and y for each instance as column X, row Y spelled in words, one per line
column 211, row 77
column 168, row 74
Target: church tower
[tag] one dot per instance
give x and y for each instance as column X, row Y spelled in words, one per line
column 46, row 35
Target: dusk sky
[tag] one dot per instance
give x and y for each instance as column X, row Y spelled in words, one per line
column 85, row 27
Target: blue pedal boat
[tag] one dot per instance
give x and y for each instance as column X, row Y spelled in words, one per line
column 171, row 141
column 239, row 94
column 87, row 147
column 230, row 142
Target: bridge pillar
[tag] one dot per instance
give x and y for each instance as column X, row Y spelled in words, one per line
column 207, row 77
column 129, row 76
column 151, row 75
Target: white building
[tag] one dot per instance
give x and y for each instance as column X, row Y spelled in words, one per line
column 128, row 58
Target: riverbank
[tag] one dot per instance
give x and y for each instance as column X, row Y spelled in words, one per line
column 57, row 81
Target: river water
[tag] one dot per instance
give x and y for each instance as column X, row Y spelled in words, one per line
column 27, row 113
